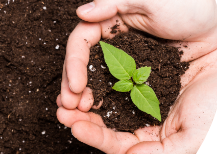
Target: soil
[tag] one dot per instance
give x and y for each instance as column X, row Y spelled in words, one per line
column 118, row 110
column 33, row 39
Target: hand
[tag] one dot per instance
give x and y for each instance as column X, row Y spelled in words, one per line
column 189, row 21
column 184, row 20
column 78, row 56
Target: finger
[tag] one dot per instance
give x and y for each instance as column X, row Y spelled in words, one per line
column 69, row 117
column 74, row 78
column 103, row 138
column 86, row 101
column 100, row 10
column 97, row 11
column 81, row 39
column 69, row 99
column 98, row 106
column 58, row 101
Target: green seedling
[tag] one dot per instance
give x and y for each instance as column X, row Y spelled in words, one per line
column 123, row 67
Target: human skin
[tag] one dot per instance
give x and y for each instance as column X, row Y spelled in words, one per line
column 194, row 24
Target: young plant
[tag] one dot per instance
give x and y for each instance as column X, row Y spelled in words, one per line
column 123, row 67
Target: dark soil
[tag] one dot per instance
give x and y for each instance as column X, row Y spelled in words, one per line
column 118, row 111
column 33, row 37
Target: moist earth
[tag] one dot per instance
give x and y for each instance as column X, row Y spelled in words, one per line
column 33, row 38
column 118, row 110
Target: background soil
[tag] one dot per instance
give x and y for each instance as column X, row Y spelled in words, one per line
column 33, row 37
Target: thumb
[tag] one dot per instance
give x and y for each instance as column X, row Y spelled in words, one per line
column 98, row 10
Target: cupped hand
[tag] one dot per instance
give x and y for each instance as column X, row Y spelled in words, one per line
column 191, row 116
column 191, row 22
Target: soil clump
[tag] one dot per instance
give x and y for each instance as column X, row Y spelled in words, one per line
column 118, row 111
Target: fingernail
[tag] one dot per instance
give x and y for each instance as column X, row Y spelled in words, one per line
column 87, row 7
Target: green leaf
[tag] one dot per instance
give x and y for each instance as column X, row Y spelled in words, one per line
column 141, row 75
column 123, row 86
column 120, row 64
column 145, row 99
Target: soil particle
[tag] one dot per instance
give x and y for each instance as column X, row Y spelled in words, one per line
column 115, row 29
